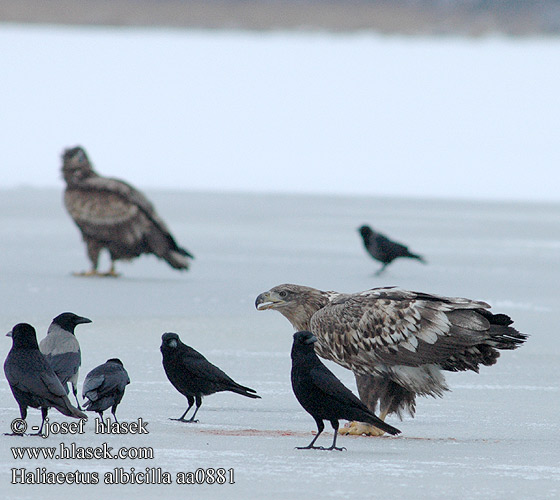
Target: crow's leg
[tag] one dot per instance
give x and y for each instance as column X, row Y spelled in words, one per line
column 44, row 413
column 190, row 399
column 75, row 391
column 113, row 411
column 334, row 424
column 198, row 405
column 378, row 273
column 320, row 428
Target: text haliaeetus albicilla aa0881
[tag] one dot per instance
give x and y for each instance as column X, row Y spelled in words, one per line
column 396, row 342
column 112, row 214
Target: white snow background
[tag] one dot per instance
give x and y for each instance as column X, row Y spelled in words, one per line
column 294, row 112
column 197, row 111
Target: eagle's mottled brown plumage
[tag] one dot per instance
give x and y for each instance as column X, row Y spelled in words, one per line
column 112, row 214
column 395, row 341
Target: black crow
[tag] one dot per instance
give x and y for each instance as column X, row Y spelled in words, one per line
column 383, row 249
column 193, row 375
column 104, row 387
column 322, row 395
column 32, row 379
column 62, row 350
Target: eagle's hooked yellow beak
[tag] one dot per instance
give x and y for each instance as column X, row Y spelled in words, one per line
column 267, row 300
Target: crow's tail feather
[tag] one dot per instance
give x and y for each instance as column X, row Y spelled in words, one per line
column 245, row 391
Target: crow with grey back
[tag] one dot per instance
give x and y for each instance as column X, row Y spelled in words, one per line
column 322, row 395
column 194, row 376
column 113, row 215
column 104, row 387
column 383, row 249
column 32, row 379
column 62, row 349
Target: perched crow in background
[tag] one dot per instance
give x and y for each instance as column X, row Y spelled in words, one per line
column 383, row 249
column 193, row 375
column 62, row 350
column 322, row 395
column 104, row 387
column 31, row 378
column 112, row 214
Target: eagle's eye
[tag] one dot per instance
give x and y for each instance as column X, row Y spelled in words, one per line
column 283, row 294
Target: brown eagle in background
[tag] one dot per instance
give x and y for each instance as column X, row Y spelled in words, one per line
column 112, row 214
column 396, row 342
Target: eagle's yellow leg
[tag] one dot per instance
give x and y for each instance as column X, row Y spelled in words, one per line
column 111, row 273
column 363, row 429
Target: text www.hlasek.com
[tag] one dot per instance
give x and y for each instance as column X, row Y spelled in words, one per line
column 74, row 452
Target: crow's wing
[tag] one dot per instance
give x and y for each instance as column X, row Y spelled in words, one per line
column 30, row 372
column 65, row 365
column 103, row 380
column 330, row 385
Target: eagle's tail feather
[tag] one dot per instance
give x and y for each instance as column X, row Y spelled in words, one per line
column 176, row 259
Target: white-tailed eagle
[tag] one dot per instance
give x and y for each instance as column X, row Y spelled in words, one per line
column 112, row 214
column 396, row 342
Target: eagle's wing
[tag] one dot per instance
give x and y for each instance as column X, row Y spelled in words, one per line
column 103, row 201
column 397, row 327
column 113, row 211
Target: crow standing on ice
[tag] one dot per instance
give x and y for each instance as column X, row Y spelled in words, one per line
column 112, row 214
column 31, row 378
column 62, row 350
column 104, row 387
column 383, row 249
column 322, row 395
column 193, row 375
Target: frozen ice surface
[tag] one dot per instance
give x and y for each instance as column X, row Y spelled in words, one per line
column 494, row 436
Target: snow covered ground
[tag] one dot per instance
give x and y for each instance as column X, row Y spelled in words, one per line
column 495, row 436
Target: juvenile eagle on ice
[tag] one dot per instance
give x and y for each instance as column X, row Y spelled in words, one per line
column 396, row 342
column 112, row 214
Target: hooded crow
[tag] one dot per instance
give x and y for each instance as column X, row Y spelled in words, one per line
column 104, row 387
column 62, row 350
column 383, row 249
column 32, row 379
column 194, row 376
column 322, row 395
